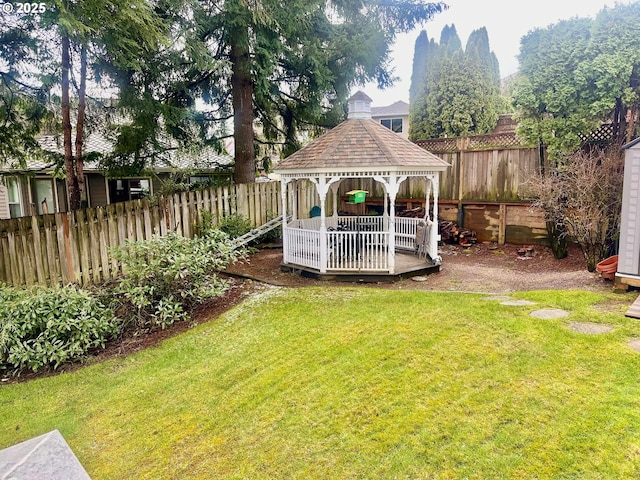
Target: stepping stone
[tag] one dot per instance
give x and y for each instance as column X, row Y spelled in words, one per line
column 591, row 328
column 549, row 313
column 635, row 344
column 419, row 278
column 517, row 303
column 501, row 298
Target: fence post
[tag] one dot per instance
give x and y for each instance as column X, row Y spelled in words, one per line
column 37, row 247
column 502, row 223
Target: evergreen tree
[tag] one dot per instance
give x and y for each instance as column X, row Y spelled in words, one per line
column 291, row 66
column 548, row 95
column 449, row 40
column 280, row 66
column 460, row 91
column 420, row 60
column 65, row 39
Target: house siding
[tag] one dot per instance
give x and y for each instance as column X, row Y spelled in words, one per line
column 629, row 251
column 4, row 202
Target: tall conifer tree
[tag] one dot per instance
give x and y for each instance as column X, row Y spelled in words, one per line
column 459, row 92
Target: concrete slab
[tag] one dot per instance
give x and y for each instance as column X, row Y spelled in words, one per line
column 47, row 457
column 549, row 313
column 635, row 344
column 517, row 303
column 590, row 328
column 634, row 309
column 499, row 298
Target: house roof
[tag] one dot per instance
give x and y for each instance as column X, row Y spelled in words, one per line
column 171, row 160
column 397, row 109
column 361, row 144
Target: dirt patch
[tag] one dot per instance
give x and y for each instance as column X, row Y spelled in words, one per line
column 482, row 268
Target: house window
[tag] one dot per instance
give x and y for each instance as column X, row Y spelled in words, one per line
column 199, row 181
column 139, row 188
column 125, row 189
column 393, row 124
column 44, row 198
column 13, row 192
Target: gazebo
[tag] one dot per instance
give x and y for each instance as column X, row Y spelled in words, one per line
column 336, row 245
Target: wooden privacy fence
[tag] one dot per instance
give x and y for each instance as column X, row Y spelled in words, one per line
column 73, row 247
column 488, row 168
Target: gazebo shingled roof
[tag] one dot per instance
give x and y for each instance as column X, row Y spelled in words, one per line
column 361, row 143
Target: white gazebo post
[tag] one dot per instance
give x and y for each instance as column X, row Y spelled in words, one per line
column 391, row 187
column 283, row 199
column 433, row 241
column 322, row 187
column 334, row 190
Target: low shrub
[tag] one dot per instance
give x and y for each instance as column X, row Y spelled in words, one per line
column 45, row 327
column 235, row 225
column 165, row 276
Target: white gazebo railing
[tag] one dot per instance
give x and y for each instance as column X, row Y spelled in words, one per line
column 406, row 232
column 302, row 247
column 351, row 243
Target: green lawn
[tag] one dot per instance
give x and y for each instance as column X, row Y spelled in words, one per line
column 362, row 383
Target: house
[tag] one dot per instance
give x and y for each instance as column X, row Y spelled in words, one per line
column 394, row 117
column 36, row 190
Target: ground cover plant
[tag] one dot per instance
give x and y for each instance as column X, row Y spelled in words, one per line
column 44, row 327
column 357, row 382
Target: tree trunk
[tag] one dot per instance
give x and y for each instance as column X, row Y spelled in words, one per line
column 245, row 166
column 82, row 105
column 69, row 166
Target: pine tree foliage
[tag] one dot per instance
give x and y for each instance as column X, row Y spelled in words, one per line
column 279, row 68
column 576, row 75
column 459, row 93
column 291, row 66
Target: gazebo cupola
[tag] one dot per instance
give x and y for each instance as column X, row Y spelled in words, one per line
column 359, row 106
column 361, row 148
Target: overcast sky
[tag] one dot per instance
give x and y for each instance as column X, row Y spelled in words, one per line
column 506, row 21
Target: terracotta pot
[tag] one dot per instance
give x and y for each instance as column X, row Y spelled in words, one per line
column 608, row 267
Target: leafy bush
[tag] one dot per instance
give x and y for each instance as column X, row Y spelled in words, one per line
column 235, row 225
column 165, row 276
column 45, row 327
